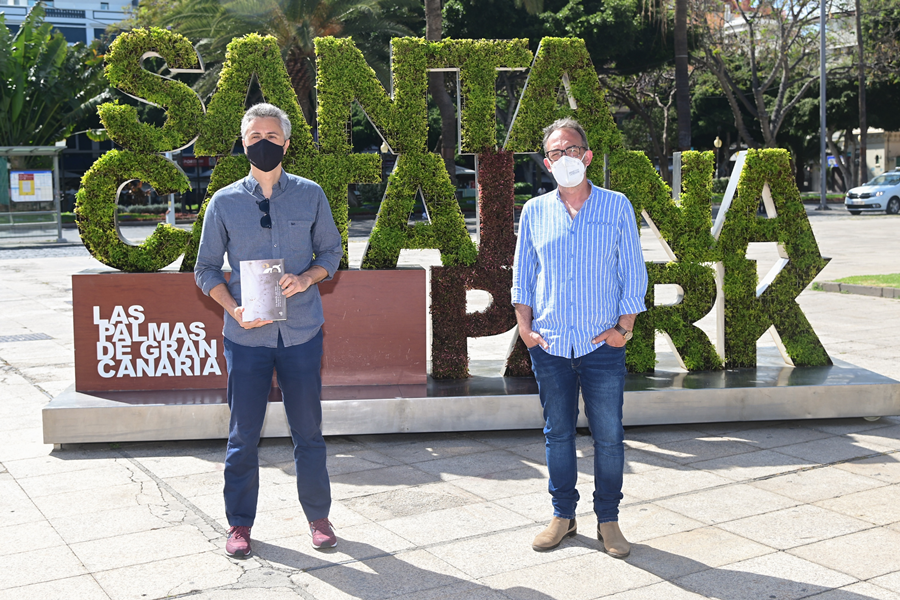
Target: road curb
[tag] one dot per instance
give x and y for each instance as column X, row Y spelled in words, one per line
column 859, row 290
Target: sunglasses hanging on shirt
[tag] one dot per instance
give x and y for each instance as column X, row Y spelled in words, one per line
column 265, row 220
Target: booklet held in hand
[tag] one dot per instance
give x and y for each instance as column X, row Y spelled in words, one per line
column 261, row 295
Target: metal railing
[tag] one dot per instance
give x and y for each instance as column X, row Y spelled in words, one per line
column 30, row 223
column 65, row 13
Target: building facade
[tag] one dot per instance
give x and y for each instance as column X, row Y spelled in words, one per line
column 77, row 20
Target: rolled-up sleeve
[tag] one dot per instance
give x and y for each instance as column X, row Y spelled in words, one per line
column 326, row 240
column 211, row 254
column 524, row 265
column 632, row 272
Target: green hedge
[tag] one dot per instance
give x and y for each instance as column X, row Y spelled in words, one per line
column 228, row 169
column 344, row 78
column 95, row 211
column 221, row 129
column 747, row 316
column 447, row 230
column 685, row 226
column 184, row 110
column 478, row 62
column 538, row 108
column 401, row 119
column 693, row 345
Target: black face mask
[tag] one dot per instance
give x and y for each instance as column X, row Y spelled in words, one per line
column 265, row 155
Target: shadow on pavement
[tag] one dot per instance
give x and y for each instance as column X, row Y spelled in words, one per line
column 712, row 582
column 373, row 573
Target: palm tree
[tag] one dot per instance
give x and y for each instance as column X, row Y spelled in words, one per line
column 294, row 23
column 47, row 88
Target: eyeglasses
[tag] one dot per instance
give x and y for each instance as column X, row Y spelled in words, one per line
column 265, row 220
column 573, row 151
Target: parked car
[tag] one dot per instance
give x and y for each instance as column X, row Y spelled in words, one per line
column 880, row 194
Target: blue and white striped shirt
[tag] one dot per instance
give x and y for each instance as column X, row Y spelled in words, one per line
column 578, row 275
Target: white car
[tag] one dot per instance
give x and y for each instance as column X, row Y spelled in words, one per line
column 880, row 194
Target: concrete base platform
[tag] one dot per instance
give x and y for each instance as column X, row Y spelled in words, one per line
column 484, row 403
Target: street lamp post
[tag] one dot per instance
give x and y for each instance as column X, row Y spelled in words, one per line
column 718, row 144
column 823, row 158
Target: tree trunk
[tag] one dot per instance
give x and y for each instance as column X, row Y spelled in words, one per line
column 682, row 81
column 863, row 116
column 718, row 68
column 433, row 32
column 840, row 159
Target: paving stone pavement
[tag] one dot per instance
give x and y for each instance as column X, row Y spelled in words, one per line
column 756, row 511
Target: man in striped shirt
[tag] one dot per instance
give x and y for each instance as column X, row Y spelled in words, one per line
column 578, row 283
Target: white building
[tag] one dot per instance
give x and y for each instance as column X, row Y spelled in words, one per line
column 882, row 150
column 77, row 20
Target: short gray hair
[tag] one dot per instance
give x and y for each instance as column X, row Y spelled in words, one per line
column 264, row 110
column 566, row 123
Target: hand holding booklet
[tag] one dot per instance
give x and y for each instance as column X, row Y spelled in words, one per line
column 261, row 295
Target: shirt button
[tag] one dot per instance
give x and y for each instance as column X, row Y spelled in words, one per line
column 275, row 245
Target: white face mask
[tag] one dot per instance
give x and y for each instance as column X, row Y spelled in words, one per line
column 568, row 172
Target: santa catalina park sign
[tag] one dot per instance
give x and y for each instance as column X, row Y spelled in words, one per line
column 708, row 261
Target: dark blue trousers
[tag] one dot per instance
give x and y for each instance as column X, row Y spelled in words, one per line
column 249, row 381
column 600, row 376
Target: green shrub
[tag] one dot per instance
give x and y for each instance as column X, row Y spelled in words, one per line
column 371, row 193
column 720, row 184
column 146, row 209
column 95, row 211
column 401, row 119
column 747, row 316
column 184, row 110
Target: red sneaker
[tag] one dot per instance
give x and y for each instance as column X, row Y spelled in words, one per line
column 238, row 544
column 322, row 534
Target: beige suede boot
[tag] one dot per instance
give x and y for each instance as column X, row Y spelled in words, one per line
column 556, row 531
column 614, row 543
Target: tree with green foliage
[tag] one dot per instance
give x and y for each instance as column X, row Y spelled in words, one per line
column 47, row 88
column 765, row 57
column 651, row 97
column 877, row 34
column 880, row 24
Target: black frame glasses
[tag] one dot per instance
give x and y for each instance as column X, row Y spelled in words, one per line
column 266, row 219
column 575, row 151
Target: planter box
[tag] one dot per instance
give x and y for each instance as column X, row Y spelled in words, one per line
column 157, row 331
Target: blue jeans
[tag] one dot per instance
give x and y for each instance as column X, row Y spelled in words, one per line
column 601, row 377
column 249, row 382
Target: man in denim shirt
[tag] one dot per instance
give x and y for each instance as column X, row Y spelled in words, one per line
column 579, row 281
column 271, row 214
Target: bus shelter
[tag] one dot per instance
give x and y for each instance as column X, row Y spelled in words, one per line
column 30, row 191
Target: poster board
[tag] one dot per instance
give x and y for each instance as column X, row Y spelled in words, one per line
column 31, row 186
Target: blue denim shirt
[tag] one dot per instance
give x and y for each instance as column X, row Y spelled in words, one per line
column 578, row 275
column 303, row 233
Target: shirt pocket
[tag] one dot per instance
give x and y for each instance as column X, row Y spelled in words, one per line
column 300, row 235
column 600, row 242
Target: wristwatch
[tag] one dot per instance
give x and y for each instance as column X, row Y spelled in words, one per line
column 625, row 333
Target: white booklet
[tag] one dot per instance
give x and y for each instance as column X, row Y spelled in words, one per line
column 261, row 296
